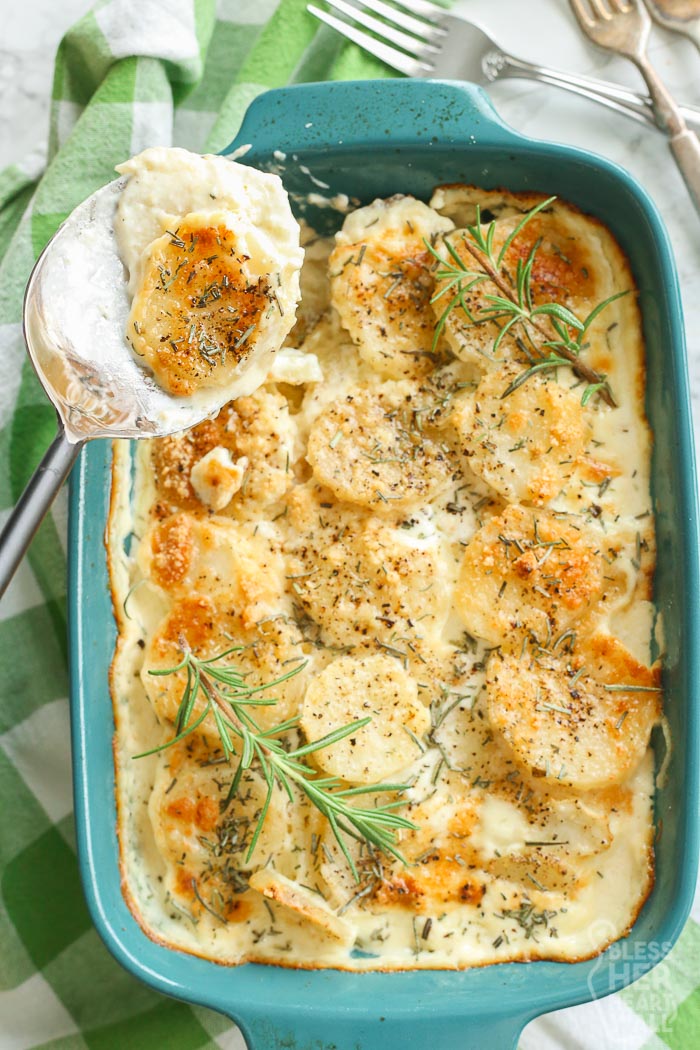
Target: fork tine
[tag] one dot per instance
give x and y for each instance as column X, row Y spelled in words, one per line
column 423, row 8
column 582, row 13
column 423, row 30
column 416, row 48
column 600, row 9
column 396, row 59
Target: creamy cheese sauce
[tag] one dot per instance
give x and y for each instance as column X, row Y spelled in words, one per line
column 472, row 571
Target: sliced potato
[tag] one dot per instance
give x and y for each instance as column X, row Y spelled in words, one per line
column 184, row 554
column 258, row 428
column 203, row 843
column 571, row 267
column 269, row 650
column 524, row 445
column 364, row 581
column 357, row 687
column 191, row 338
column 382, row 282
column 370, row 449
column 528, row 571
column 303, row 903
column 567, row 726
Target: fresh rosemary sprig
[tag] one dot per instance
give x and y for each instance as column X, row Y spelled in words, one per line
column 514, row 308
column 228, row 698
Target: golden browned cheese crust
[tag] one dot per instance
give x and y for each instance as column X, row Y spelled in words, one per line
column 255, row 427
column 528, row 571
column 382, row 281
column 427, row 539
column 196, row 309
column 369, row 450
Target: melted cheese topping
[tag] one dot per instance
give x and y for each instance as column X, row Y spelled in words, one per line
column 472, row 571
column 381, row 283
column 212, row 250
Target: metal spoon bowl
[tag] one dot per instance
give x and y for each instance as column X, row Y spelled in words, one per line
column 75, row 313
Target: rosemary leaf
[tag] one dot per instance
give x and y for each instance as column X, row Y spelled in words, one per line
column 511, row 309
column 229, row 700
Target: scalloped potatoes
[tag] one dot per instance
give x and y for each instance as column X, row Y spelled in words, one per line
column 432, row 540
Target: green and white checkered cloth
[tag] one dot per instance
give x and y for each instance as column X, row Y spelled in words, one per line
column 131, row 74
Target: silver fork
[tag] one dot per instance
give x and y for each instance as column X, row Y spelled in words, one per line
column 420, row 39
column 623, row 26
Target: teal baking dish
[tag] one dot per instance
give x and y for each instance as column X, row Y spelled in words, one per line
column 370, row 139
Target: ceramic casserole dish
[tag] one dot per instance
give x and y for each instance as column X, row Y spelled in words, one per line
column 367, row 140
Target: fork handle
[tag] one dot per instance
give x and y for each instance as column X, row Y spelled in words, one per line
column 666, row 110
column 499, row 65
column 684, row 143
column 685, row 147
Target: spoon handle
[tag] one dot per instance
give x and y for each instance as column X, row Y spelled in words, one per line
column 34, row 502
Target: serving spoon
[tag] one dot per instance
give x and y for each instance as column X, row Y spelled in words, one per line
column 75, row 313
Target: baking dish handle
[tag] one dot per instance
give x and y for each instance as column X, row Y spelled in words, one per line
column 335, row 1032
column 348, row 114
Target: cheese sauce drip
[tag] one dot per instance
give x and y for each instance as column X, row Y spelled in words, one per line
column 471, row 569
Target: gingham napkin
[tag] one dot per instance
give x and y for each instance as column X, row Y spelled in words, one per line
column 131, row 74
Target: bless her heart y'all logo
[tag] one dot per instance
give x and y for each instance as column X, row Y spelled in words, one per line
column 621, row 964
